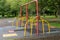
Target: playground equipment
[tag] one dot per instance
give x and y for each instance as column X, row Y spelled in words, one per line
column 33, row 21
column 27, row 26
column 36, row 1
column 22, row 19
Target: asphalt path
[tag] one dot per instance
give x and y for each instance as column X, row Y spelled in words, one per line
column 19, row 33
column 7, row 22
column 6, row 26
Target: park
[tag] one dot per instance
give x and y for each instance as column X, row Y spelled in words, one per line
column 29, row 22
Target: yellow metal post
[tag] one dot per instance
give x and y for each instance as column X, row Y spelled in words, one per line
column 43, row 25
column 25, row 29
column 48, row 27
column 22, row 21
column 17, row 24
column 31, row 26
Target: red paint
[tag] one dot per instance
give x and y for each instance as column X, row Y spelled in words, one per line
column 26, row 14
column 20, row 11
column 37, row 18
column 20, row 14
column 11, row 31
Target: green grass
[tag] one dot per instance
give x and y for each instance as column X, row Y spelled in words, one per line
column 55, row 24
column 50, row 17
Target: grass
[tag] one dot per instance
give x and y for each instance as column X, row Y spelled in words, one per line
column 48, row 16
column 57, row 25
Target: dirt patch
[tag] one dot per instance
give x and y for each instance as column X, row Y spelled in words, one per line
column 53, row 27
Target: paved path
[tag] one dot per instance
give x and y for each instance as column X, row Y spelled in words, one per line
column 6, row 22
column 19, row 33
column 5, row 27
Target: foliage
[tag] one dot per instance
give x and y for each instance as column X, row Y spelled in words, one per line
column 9, row 8
column 49, row 6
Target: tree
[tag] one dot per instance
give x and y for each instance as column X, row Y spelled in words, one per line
column 2, row 6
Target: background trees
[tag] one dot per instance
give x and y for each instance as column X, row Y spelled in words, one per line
column 11, row 8
column 50, row 7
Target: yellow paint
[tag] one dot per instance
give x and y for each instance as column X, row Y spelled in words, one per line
column 25, row 31
column 43, row 26
column 17, row 24
column 48, row 25
column 25, row 28
column 10, row 35
column 31, row 26
column 22, row 19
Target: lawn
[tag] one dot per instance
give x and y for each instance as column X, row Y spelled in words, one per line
column 49, row 16
column 51, row 19
column 55, row 24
